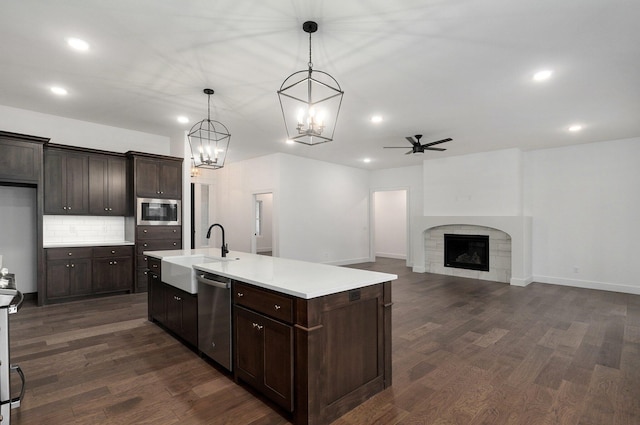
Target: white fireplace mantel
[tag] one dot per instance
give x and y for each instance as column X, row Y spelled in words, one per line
column 517, row 227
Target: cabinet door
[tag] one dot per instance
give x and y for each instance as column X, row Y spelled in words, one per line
column 19, row 161
column 278, row 362
column 117, row 195
column 57, row 279
column 170, row 180
column 248, row 341
column 77, row 183
column 98, row 178
column 112, row 274
column 80, row 277
column 55, row 190
column 147, row 178
column 157, row 298
column 174, row 310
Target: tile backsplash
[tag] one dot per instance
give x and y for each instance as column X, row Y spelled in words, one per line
column 66, row 228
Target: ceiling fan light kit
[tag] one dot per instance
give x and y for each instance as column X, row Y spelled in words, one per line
column 418, row 148
column 310, row 101
column 209, row 141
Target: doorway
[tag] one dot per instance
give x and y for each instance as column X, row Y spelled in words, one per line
column 390, row 224
column 262, row 241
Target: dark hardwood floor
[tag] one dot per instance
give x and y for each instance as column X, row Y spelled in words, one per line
column 464, row 352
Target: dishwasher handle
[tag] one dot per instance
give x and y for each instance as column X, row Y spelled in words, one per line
column 211, row 280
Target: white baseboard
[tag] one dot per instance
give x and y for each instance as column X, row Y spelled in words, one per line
column 521, row 282
column 389, row 255
column 588, row 284
column 348, row 262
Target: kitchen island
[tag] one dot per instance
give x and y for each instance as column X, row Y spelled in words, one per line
column 313, row 338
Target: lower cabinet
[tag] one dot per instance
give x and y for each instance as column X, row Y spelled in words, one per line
column 264, row 341
column 81, row 272
column 264, row 355
column 112, row 269
column 68, row 273
column 174, row 308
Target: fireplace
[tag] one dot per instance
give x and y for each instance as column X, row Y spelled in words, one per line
column 466, row 251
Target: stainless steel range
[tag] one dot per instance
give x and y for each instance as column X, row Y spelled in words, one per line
column 10, row 302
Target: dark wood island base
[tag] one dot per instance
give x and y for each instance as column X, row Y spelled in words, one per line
column 339, row 346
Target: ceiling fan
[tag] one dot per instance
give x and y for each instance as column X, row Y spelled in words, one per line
column 420, row 148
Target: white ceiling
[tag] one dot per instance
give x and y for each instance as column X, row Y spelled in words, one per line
column 454, row 68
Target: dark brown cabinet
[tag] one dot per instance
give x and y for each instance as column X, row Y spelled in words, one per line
column 20, row 158
column 68, row 272
column 66, row 182
column 112, row 269
column 264, row 345
column 174, row 308
column 76, row 272
column 153, row 238
column 158, row 178
column 108, row 185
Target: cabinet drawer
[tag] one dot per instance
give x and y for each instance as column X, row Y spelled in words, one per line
column 154, row 265
column 113, row 251
column 266, row 302
column 158, row 245
column 66, row 253
column 158, row 232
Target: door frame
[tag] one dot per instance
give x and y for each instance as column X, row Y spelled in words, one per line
column 372, row 222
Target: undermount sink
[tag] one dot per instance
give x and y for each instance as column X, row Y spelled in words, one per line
column 179, row 272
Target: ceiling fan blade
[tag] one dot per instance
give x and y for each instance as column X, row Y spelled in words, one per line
column 394, row 147
column 410, row 152
column 434, row 149
column 437, row 143
column 413, row 142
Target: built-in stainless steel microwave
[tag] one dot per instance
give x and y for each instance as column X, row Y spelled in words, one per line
column 156, row 212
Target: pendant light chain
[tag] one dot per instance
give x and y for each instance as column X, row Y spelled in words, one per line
column 310, row 63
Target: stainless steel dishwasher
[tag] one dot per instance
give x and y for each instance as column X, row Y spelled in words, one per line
column 214, row 317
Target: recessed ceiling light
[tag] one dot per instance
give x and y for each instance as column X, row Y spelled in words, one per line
column 77, row 44
column 575, row 127
column 182, row 119
column 542, row 75
column 376, row 119
column 366, row 160
column 60, row 91
column 289, row 142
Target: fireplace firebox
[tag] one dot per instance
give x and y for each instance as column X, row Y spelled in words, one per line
column 466, row 251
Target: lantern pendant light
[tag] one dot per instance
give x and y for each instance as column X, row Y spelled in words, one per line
column 209, row 140
column 310, row 101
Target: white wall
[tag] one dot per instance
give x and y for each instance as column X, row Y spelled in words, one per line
column 80, row 133
column 404, row 178
column 390, row 210
column 585, row 203
column 320, row 210
column 323, row 211
column 474, row 185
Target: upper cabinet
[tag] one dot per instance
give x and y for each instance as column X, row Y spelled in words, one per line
column 108, row 188
column 20, row 158
column 66, row 182
column 158, row 177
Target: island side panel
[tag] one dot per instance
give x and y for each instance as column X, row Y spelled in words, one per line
column 342, row 352
column 387, row 334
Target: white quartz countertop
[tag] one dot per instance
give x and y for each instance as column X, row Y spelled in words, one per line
column 297, row 278
column 85, row 244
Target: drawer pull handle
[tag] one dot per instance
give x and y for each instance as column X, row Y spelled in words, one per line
column 240, row 294
column 68, row 266
column 144, row 231
column 155, row 266
column 277, row 307
column 73, row 265
column 175, row 243
column 257, row 326
column 70, row 253
column 112, row 251
column 145, row 245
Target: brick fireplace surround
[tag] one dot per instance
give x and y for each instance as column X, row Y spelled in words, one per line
column 518, row 228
